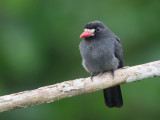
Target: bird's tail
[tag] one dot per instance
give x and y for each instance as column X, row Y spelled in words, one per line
column 113, row 97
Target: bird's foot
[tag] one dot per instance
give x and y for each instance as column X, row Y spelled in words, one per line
column 102, row 73
column 112, row 72
column 92, row 75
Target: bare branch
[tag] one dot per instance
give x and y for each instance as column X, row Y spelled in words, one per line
column 78, row 86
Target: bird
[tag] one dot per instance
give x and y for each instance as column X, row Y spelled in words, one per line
column 101, row 51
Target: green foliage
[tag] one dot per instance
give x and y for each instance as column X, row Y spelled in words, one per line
column 39, row 46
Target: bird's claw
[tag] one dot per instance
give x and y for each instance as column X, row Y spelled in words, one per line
column 92, row 75
column 112, row 72
column 102, row 73
column 91, row 78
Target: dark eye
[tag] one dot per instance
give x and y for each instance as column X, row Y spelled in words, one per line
column 98, row 29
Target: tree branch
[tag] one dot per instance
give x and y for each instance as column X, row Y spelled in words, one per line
column 78, row 86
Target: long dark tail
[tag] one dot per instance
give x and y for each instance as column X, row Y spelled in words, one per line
column 113, row 97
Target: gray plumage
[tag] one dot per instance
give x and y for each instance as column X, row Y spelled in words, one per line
column 101, row 52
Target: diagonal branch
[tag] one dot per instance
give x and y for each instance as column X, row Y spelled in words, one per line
column 78, row 86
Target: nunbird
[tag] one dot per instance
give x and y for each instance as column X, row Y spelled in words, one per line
column 101, row 51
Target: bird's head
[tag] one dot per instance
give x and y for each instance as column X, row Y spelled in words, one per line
column 94, row 30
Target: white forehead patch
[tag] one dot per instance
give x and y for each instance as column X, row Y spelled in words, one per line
column 90, row 30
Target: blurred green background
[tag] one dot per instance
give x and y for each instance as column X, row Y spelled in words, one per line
column 39, row 46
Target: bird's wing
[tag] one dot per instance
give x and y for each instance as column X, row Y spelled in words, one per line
column 119, row 52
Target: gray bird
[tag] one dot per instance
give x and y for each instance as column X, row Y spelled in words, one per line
column 102, row 51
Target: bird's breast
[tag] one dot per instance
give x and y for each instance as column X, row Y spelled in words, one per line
column 97, row 57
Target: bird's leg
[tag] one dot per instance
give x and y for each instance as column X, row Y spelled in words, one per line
column 112, row 72
column 92, row 75
column 102, row 72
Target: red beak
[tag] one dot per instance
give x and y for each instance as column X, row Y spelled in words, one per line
column 86, row 34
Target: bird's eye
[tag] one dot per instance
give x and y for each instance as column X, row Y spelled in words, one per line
column 98, row 29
